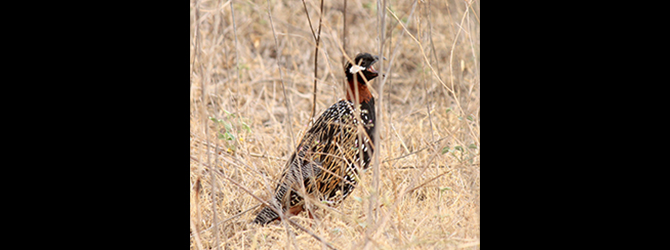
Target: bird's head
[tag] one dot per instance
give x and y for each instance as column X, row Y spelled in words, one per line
column 363, row 66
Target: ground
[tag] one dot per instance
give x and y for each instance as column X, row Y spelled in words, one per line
column 252, row 93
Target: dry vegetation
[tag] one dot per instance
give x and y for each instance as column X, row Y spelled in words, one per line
column 251, row 100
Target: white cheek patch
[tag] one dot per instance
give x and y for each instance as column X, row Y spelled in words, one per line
column 354, row 69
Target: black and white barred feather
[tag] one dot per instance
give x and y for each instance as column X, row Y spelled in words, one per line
column 328, row 159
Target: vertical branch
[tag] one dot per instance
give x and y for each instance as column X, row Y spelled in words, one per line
column 213, row 196
column 316, row 57
column 237, row 56
column 432, row 48
column 344, row 33
column 196, row 226
column 195, row 41
column 309, row 19
column 281, row 76
column 372, row 212
column 223, row 42
column 432, row 45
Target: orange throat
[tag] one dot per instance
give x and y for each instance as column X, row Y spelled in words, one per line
column 364, row 94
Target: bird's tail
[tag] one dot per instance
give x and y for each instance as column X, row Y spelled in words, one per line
column 266, row 216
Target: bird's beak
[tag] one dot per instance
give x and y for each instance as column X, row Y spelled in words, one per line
column 372, row 70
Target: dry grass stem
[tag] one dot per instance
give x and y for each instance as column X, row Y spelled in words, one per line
column 255, row 88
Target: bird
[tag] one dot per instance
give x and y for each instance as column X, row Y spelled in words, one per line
column 334, row 149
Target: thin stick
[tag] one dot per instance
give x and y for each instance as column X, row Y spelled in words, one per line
column 428, row 181
column 375, row 170
column 344, row 32
column 196, row 235
column 194, row 226
column 430, row 35
column 432, row 47
column 237, row 55
column 316, row 57
column 309, row 20
column 213, row 197
column 195, row 41
column 281, row 75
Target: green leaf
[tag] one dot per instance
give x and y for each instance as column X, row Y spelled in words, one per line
column 246, row 127
column 445, row 188
column 472, row 146
column 470, row 118
column 448, row 109
column 216, row 120
column 445, row 150
column 228, row 136
column 459, row 148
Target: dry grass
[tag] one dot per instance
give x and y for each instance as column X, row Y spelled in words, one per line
column 247, row 115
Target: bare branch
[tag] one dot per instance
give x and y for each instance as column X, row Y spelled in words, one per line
column 316, row 56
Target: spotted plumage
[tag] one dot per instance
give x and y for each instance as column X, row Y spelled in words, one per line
column 330, row 155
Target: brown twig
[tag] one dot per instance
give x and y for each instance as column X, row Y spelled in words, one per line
column 316, row 56
column 344, row 32
column 309, row 20
column 428, row 181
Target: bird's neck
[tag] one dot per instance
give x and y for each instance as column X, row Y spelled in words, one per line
column 363, row 94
